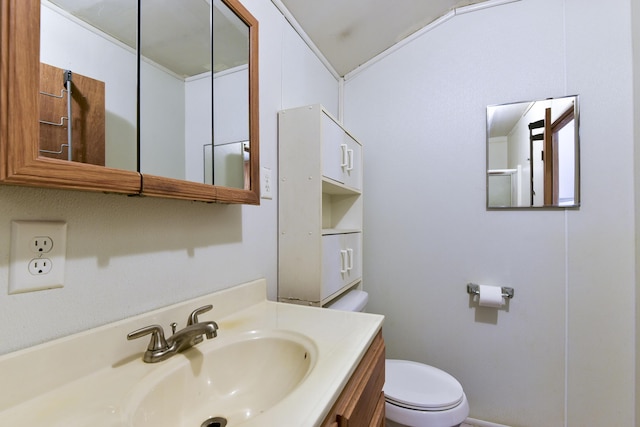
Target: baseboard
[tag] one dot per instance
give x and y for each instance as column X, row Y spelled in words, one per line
column 472, row 422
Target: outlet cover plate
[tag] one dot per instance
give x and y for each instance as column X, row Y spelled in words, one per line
column 26, row 237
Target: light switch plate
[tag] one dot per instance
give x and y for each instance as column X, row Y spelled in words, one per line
column 266, row 192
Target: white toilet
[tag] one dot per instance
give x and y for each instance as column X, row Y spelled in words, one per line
column 416, row 395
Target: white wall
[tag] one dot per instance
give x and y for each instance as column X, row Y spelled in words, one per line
column 128, row 255
column 69, row 43
column 635, row 19
column 498, row 153
column 162, row 122
column 198, row 124
column 563, row 352
column 231, row 124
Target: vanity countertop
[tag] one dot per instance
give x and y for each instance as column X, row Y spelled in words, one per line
column 87, row 379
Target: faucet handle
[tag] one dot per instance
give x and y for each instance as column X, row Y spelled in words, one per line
column 193, row 317
column 158, row 342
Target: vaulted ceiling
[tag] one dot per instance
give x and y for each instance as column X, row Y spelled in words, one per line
column 350, row 32
column 347, row 32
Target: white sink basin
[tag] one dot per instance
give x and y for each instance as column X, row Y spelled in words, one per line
column 253, row 379
column 236, row 379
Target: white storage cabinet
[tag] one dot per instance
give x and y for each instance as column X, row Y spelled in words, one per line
column 320, row 207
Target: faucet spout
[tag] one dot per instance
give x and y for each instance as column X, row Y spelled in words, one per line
column 192, row 334
column 160, row 348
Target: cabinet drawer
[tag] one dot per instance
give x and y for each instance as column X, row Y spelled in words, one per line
column 378, row 419
column 341, row 261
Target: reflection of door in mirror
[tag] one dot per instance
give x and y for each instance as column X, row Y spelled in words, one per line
column 532, row 149
column 71, row 116
column 503, row 187
column 98, row 54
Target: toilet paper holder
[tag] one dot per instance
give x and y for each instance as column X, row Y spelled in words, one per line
column 474, row 289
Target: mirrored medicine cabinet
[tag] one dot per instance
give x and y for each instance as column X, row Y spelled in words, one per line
column 533, row 154
column 157, row 98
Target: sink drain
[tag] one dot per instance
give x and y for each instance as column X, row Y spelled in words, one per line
column 214, row 422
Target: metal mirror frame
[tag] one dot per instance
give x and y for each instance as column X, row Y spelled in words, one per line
column 490, row 172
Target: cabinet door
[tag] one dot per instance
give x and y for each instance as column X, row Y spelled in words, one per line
column 352, row 245
column 334, row 149
column 352, row 172
column 333, row 264
column 341, row 154
column 361, row 402
column 341, row 261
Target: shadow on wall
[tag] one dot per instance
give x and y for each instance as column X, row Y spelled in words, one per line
column 487, row 315
column 123, row 225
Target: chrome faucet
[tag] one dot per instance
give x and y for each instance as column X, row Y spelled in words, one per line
column 160, row 348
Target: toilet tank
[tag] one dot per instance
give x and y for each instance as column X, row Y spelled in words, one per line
column 354, row 300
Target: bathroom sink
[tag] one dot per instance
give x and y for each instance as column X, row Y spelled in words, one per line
column 232, row 379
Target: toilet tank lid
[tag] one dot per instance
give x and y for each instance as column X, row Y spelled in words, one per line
column 354, row 300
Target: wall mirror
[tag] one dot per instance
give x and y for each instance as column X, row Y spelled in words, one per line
column 146, row 84
column 533, row 156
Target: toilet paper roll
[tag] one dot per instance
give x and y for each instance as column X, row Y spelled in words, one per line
column 490, row 296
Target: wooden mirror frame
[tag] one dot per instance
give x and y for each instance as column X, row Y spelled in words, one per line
column 20, row 162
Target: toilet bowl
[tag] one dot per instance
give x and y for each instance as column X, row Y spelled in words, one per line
column 420, row 395
column 416, row 395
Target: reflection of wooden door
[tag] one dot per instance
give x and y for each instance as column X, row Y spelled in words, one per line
column 548, row 161
column 536, row 166
column 88, row 117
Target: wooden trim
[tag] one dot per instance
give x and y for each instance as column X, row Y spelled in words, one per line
column 254, row 90
column 5, row 60
column 252, row 195
column 20, row 162
column 234, row 195
column 19, row 83
column 160, row 186
column 564, row 119
column 359, row 402
column 368, row 383
column 157, row 186
column 547, row 151
column 378, row 419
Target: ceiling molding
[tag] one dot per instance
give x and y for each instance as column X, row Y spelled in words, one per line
column 305, row 37
column 444, row 18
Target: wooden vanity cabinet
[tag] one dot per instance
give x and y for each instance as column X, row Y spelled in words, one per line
column 361, row 403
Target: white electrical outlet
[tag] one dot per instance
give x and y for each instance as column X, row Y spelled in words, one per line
column 41, row 244
column 267, row 184
column 38, row 251
column 39, row 266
